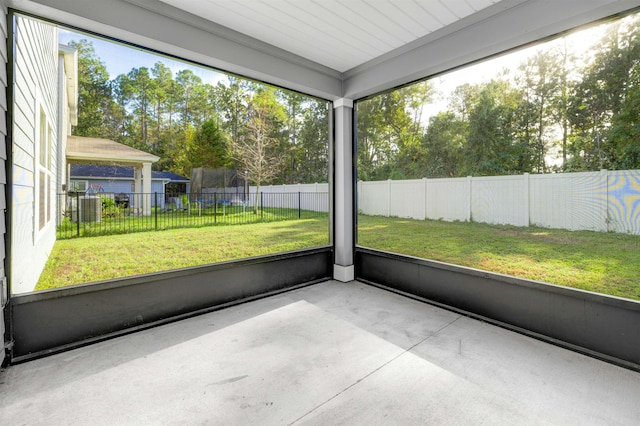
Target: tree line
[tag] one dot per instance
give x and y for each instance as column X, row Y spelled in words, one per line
column 189, row 123
column 557, row 112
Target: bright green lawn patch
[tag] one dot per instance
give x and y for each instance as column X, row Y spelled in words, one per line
column 601, row 262
column 83, row 260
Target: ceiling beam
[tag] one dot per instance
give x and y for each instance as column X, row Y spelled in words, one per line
column 158, row 26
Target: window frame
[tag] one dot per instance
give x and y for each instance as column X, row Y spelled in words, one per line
column 43, row 174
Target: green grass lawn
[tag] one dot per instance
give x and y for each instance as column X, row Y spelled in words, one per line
column 82, row 260
column 601, row 262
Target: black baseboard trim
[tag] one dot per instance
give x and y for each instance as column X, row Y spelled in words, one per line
column 604, row 327
column 47, row 322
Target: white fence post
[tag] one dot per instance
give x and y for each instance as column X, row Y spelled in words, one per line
column 424, row 191
column 527, row 200
column 470, row 198
column 604, row 184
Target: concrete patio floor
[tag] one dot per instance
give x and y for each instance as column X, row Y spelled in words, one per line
column 331, row 353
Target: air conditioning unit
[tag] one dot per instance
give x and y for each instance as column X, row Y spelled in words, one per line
column 88, row 209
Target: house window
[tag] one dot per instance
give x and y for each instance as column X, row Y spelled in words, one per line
column 44, row 171
column 79, row 185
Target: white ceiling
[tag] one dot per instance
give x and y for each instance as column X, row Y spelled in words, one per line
column 328, row 48
column 339, row 34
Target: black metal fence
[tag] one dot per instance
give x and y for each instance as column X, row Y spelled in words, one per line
column 84, row 215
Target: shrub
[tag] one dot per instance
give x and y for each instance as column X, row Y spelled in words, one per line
column 109, row 207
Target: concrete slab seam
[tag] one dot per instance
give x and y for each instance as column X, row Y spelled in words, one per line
column 404, row 352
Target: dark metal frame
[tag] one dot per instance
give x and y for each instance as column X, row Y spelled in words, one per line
column 6, row 339
column 601, row 326
column 51, row 321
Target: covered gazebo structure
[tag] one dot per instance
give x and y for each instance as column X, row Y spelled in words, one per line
column 85, row 150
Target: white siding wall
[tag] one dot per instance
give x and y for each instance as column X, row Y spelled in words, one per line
column 64, row 125
column 36, row 71
column 3, row 158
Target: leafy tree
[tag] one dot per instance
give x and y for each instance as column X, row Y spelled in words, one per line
column 411, row 159
column 193, row 97
column 444, row 143
column 540, row 85
column 312, row 155
column 139, row 90
column 388, row 136
column 489, row 149
column 257, row 152
column 232, row 103
column 462, row 100
column 94, row 92
column 203, row 147
column 624, row 133
column 188, row 123
column 290, row 141
column 566, row 61
column 600, row 104
column 117, row 125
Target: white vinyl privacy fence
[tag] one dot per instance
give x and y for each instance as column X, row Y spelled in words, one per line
column 607, row 201
column 310, row 197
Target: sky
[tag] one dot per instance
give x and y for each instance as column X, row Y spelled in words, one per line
column 120, row 58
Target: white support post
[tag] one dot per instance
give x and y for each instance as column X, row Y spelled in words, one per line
column 343, row 238
column 137, row 190
column 146, row 189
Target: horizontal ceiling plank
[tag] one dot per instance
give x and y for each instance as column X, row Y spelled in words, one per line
column 440, row 11
column 421, row 15
column 342, row 27
column 396, row 13
column 460, row 8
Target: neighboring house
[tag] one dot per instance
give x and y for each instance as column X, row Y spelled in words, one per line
column 91, row 178
column 45, row 109
column 87, row 150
